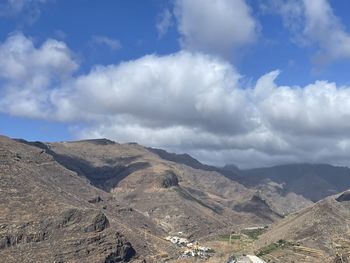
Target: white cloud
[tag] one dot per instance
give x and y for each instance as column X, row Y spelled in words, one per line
column 215, row 26
column 164, row 22
column 314, row 22
column 112, row 43
column 187, row 102
column 27, row 73
column 152, row 88
column 323, row 27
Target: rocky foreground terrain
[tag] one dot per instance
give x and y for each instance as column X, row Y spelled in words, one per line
column 100, row 201
column 51, row 214
column 320, row 233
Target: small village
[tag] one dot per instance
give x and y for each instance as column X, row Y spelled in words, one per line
column 191, row 249
column 194, row 249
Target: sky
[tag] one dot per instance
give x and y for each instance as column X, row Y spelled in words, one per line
column 245, row 82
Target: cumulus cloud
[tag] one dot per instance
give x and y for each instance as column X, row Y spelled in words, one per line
column 112, row 43
column 314, row 22
column 215, row 26
column 323, row 27
column 178, row 89
column 184, row 102
column 27, row 72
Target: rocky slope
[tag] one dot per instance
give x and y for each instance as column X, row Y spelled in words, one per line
column 285, row 188
column 50, row 214
column 321, row 233
column 174, row 195
column 100, row 201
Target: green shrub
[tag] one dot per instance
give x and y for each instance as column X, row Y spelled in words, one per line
column 254, row 233
column 273, row 246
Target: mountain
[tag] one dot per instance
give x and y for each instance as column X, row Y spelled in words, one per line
column 100, row 201
column 312, row 181
column 51, row 214
column 289, row 188
column 319, row 233
column 285, row 188
column 138, row 177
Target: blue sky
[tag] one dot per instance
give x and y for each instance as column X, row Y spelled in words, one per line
column 229, row 81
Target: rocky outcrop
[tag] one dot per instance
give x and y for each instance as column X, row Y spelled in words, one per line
column 34, row 232
column 123, row 252
column 71, row 216
column 100, row 223
column 11, row 240
column 23, row 235
column 96, row 199
column 169, row 179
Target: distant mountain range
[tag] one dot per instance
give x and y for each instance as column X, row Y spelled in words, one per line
column 287, row 188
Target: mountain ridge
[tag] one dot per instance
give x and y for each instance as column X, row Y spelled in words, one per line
column 129, row 198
